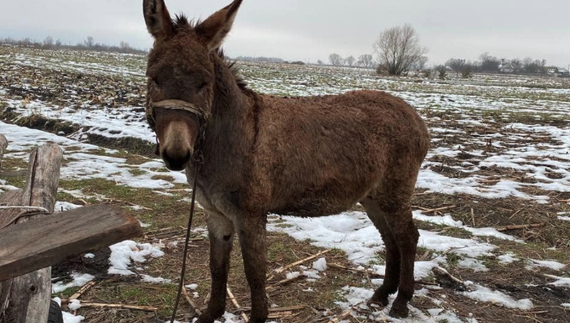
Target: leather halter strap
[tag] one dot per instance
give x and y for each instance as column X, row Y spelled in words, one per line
column 178, row 105
column 173, row 105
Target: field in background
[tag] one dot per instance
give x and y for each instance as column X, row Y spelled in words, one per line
column 492, row 199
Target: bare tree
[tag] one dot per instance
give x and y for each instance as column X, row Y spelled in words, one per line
column 489, row 63
column 365, row 60
column 89, row 42
column 124, row 46
column 398, row 48
column 456, row 64
column 336, row 59
column 421, row 63
column 350, row 60
column 48, row 42
column 534, row 65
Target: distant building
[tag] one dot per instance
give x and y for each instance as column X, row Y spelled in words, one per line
column 558, row 71
column 506, row 68
column 562, row 72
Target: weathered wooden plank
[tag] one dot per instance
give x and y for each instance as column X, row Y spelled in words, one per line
column 45, row 241
column 3, row 146
column 30, row 294
column 10, row 198
column 5, row 199
column 6, row 216
column 43, row 177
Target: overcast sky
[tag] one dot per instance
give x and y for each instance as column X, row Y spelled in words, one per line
column 310, row 30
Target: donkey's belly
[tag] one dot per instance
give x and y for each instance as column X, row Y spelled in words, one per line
column 311, row 209
column 315, row 204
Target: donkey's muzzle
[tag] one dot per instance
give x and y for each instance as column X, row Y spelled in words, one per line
column 176, row 161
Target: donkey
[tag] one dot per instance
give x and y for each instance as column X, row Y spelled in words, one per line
column 309, row 157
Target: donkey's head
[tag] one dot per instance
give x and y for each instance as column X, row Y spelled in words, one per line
column 180, row 71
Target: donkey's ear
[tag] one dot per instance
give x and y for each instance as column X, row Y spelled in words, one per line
column 157, row 18
column 214, row 29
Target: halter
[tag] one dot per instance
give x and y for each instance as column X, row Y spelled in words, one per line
column 173, row 105
column 178, row 105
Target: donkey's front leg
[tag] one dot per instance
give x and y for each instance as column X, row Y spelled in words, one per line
column 251, row 231
column 220, row 233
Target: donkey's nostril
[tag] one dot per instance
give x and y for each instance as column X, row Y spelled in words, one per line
column 176, row 161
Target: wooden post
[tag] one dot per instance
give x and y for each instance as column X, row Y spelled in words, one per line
column 27, row 298
column 3, row 146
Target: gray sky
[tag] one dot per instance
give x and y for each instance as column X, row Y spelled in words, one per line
column 309, row 30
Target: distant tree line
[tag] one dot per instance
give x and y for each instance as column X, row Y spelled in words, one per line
column 364, row 60
column 88, row 44
column 397, row 50
column 492, row 64
column 260, row 59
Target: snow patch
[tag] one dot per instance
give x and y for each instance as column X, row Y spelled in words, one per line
column 128, row 251
column 320, row 264
column 553, row 264
column 78, row 281
column 484, row 294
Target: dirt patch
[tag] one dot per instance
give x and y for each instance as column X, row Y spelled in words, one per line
column 516, row 283
column 96, row 265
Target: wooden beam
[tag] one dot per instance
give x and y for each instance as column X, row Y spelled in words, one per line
column 3, row 146
column 46, row 241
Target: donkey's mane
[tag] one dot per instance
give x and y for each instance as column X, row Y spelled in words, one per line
column 233, row 67
column 181, row 22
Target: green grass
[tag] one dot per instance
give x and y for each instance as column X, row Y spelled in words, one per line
column 137, row 172
column 67, row 293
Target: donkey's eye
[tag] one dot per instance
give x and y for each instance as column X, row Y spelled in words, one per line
column 155, row 83
column 202, row 86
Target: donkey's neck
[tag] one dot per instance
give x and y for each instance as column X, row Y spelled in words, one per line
column 229, row 99
column 231, row 131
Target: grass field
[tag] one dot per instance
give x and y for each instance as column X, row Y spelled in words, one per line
column 492, row 199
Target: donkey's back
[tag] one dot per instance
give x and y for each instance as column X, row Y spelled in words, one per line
column 323, row 154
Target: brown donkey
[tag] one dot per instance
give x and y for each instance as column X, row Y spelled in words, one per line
column 309, row 157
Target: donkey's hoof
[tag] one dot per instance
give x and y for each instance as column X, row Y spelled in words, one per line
column 376, row 304
column 203, row 319
column 379, row 298
column 209, row 316
column 399, row 312
column 259, row 317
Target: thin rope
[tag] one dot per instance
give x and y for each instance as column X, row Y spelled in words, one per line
column 188, row 229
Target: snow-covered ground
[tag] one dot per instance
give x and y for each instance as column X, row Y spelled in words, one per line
column 351, row 232
column 512, row 146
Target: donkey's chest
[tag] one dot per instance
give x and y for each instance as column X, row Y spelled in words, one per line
column 218, row 200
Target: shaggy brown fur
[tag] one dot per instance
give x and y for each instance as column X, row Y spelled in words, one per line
column 309, row 156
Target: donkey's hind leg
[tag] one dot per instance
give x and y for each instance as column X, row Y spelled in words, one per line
column 221, row 234
column 392, row 275
column 392, row 216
